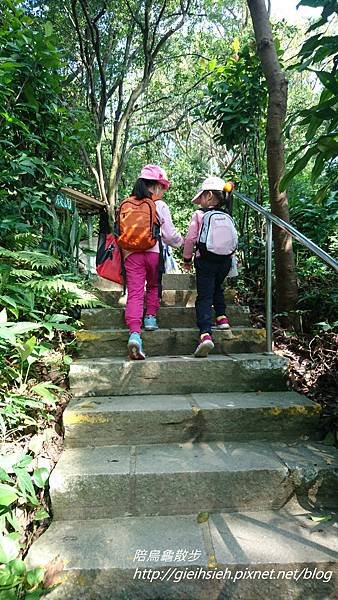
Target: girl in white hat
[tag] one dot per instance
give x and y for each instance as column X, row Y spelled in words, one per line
column 213, row 257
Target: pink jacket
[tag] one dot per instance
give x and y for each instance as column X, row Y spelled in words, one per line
column 192, row 235
column 170, row 236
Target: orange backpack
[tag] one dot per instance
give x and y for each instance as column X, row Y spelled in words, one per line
column 138, row 227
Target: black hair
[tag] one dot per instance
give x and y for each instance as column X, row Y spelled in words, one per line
column 141, row 188
column 223, row 200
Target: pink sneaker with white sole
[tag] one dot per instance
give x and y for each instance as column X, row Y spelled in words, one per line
column 204, row 346
column 222, row 322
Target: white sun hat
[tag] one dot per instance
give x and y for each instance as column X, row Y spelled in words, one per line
column 210, row 183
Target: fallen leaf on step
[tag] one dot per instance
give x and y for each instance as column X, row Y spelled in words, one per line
column 212, row 562
column 202, row 517
column 320, row 518
column 52, row 570
column 87, row 405
column 195, row 409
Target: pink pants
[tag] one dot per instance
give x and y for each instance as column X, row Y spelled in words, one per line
column 141, row 268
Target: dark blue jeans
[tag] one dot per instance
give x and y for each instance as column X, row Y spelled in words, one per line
column 209, row 278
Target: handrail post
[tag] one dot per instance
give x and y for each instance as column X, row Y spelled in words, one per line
column 268, row 286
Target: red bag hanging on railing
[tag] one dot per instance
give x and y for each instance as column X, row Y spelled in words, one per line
column 109, row 264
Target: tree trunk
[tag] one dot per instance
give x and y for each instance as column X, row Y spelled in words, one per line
column 286, row 280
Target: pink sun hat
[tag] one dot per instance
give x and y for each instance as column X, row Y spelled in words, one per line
column 210, row 183
column 155, row 173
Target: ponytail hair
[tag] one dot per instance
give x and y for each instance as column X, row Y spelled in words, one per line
column 141, row 188
column 223, row 200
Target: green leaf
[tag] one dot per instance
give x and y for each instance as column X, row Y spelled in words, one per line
column 41, row 514
column 48, row 29
column 40, row 477
column 328, row 143
column 6, row 578
column 17, row 566
column 43, row 390
column 36, row 595
column 35, row 576
column 9, row 549
column 24, row 461
column 12, row 520
column 29, row 94
column 27, row 348
column 8, row 494
column 67, row 360
column 320, row 518
column 297, row 167
column 25, row 485
column 318, row 167
column 8, row 595
column 3, row 475
column 235, row 45
column 329, row 81
column 212, row 64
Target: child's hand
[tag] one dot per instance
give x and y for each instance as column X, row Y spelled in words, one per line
column 187, row 266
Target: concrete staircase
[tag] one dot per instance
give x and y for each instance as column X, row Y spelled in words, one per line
column 188, row 478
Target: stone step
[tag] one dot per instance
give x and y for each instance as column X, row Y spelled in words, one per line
column 168, row 317
column 164, row 479
column 286, row 554
column 170, row 281
column 178, row 375
column 113, row 342
column 104, row 421
column 179, row 281
column 169, row 297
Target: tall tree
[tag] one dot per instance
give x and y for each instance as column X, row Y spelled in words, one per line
column 286, row 280
column 119, row 46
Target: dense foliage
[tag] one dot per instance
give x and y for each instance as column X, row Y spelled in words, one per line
column 38, row 284
column 67, row 75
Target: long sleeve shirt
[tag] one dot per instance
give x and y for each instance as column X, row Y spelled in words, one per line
column 170, row 235
column 192, row 235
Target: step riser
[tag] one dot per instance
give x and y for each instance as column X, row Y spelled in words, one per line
column 101, row 429
column 107, row 496
column 95, row 344
column 168, row 317
column 183, row 281
column 105, row 378
column 179, row 281
column 169, row 297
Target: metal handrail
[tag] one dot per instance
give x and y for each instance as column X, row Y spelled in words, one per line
column 300, row 237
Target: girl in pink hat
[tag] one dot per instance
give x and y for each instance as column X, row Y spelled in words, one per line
column 211, row 268
column 142, row 268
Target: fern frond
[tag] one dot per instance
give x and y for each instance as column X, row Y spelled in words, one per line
column 32, row 258
column 24, row 273
column 91, row 303
column 27, row 239
column 39, row 260
column 80, row 296
column 53, row 284
column 7, row 253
